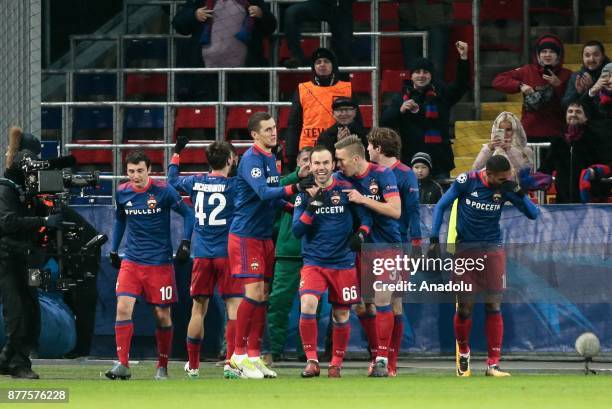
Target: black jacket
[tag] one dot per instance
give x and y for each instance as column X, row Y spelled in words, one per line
column 429, row 191
column 330, row 136
column 412, row 127
column 186, row 23
column 18, row 223
column 570, row 159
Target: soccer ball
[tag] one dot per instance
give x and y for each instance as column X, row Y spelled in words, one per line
column 587, row 345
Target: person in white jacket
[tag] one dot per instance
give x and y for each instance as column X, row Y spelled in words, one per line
column 508, row 138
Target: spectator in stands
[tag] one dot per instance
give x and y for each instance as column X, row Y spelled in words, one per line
column 339, row 15
column 599, row 98
column 345, row 112
column 508, row 139
column 543, row 84
column 226, row 33
column 430, row 191
column 580, row 146
column 311, row 109
column 433, row 16
column 421, row 113
column 593, row 60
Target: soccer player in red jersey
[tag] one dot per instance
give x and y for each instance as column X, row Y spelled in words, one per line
column 143, row 207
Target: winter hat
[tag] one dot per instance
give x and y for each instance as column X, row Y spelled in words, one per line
column 324, row 53
column 422, row 64
column 549, row 43
column 421, row 157
column 343, row 102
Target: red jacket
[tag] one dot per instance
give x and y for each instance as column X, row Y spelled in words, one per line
column 549, row 119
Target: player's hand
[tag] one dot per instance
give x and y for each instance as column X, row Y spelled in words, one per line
column 357, row 240
column 354, row 196
column 202, row 14
column 316, row 201
column 54, row 220
column 255, row 11
column 304, row 184
column 510, row 186
column 434, row 248
column 181, row 142
column 115, row 260
column 462, row 49
column 183, row 252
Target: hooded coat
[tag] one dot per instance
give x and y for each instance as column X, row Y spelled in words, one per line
column 548, row 120
column 571, row 93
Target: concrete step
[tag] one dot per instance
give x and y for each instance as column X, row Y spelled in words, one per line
column 565, row 33
column 462, row 111
column 609, row 15
column 490, row 110
column 592, row 18
column 549, row 19
column 518, row 97
column 572, row 67
column 601, row 33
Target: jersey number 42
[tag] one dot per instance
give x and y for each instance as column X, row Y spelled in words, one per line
column 215, row 200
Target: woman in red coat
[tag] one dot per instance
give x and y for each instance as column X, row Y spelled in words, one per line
column 543, row 84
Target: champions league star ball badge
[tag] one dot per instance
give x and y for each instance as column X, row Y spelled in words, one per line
column 254, row 265
column 151, row 202
column 373, row 186
column 335, row 198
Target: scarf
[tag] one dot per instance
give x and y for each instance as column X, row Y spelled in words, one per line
column 432, row 114
column 605, row 97
column 573, row 133
column 246, row 29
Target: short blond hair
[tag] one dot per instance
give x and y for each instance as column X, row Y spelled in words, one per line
column 353, row 144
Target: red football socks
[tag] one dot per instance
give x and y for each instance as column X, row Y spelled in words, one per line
column 494, row 328
column 396, row 340
column 340, row 338
column 244, row 316
column 163, row 336
column 368, row 323
column 257, row 327
column 462, row 333
column 308, row 332
column 384, row 329
column 193, row 351
column 123, row 338
column 230, row 338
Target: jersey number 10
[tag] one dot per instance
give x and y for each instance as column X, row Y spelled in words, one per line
column 215, row 199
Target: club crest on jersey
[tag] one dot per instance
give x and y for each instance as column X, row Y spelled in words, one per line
column 335, row 197
column 151, row 202
column 254, row 265
column 255, row 172
column 497, row 197
column 373, row 186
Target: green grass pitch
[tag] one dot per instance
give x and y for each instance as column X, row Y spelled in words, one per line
column 423, row 390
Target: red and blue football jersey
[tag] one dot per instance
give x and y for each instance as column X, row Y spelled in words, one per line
column 479, row 208
column 408, row 186
column 146, row 215
column 378, row 183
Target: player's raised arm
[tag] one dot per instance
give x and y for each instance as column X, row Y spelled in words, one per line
column 182, row 183
column 516, row 196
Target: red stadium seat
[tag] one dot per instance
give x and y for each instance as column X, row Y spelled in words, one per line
column 389, row 16
column 288, row 83
column 236, row 122
column 492, row 10
column 283, row 117
column 393, row 80
column 391, row 54
column 195, row 122
column 361, row 12
column 361, row 82
column 146, row 85
column 93, row 156
column 366, row 115
column 156, row 155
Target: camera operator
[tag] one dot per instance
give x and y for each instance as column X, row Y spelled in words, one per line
column 18, row 233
